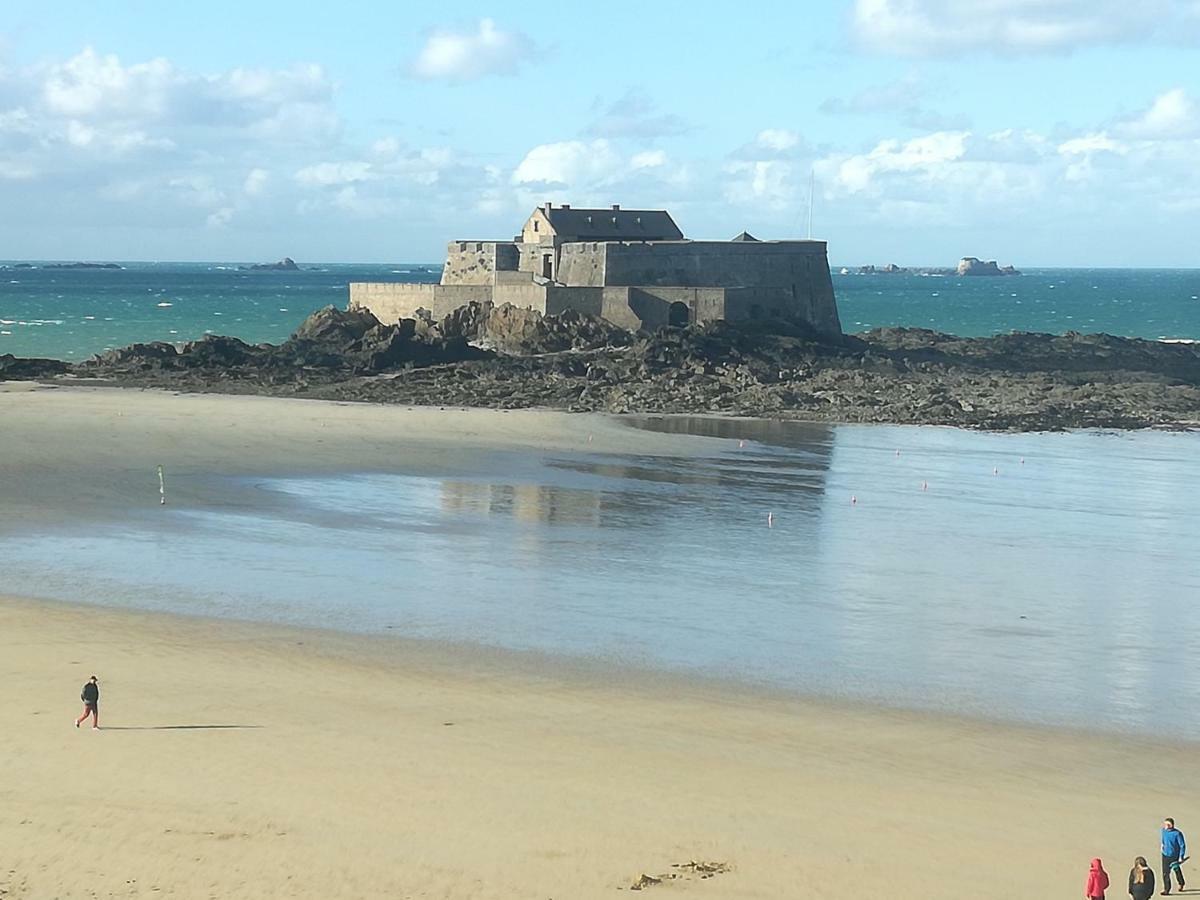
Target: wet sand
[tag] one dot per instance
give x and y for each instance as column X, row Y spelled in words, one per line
column 75, row 453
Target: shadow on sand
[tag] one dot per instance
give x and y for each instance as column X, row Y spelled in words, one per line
column 170, row 727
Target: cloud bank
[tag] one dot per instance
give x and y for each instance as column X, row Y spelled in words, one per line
column 468, row 54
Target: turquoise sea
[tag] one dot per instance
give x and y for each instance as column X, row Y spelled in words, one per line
column 74, row 313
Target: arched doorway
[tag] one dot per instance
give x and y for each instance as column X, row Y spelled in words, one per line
column 678, row 315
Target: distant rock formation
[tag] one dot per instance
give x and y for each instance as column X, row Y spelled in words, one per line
column 970, row 265
column 287, row 264
column 77, row 265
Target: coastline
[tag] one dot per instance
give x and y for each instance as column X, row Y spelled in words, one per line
column 507, row 358
column 546, row 784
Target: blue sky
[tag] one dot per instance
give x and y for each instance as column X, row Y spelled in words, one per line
column 1038, row 132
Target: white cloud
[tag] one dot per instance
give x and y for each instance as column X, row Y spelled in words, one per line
column 568, row 163
column 648, row 159
column 952, row 27
column 769, row 183
column 468, row 54
column 334, row 173
column 220, row 218
column 778, row 140
column 94, row 87
column 1173, row 114
column 923, row 155
column 1089, row 143
column 256, row 182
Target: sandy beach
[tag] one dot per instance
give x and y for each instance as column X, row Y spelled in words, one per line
column 245, row 761
column 242, row 760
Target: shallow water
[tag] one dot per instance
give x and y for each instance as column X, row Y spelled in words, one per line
column 1045, row 578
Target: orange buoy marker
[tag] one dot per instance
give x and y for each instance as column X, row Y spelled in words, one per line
column 770, row 520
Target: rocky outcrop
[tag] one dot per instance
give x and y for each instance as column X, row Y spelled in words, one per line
column 287, row 264
column 80, row 265
column 16, row 368
column 970, row 265
column 776, row 369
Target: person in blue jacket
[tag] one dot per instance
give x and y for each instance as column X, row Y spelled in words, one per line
column 1174, row 852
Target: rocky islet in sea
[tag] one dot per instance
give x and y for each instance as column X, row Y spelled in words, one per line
column 506, row 357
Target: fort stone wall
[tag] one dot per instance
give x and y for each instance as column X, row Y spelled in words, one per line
column 476, row 262
column 792, row 276
column 390, row 302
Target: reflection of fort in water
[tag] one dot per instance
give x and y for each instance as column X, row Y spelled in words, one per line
column 783, row 462
column 524, row 502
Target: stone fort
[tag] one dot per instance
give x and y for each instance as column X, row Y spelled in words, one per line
column 633, row 267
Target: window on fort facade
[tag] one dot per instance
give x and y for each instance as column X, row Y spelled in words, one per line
column 535, row 224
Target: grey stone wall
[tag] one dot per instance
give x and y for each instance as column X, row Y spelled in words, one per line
column 476, row 262
column 390, row 302
column 582, row 264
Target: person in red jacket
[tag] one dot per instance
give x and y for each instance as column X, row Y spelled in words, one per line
column 1097, row 881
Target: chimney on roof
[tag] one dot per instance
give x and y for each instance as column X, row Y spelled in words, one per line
column 546, row 206
column 616, row 206
column 566, row 206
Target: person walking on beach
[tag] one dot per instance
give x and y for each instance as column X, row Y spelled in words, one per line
column 1141, row 880
column 1097, row 881
column 90, row 695
column 1174, row 852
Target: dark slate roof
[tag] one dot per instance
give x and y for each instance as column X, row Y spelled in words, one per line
column 744, row 237
column 614, row 224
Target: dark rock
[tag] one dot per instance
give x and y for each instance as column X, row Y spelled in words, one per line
column 80, row 265
column 144, row 355
column 338, row 328
column 15, row 368
column 287, row 264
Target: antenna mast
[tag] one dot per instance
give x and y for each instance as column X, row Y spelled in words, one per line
column 812, row 181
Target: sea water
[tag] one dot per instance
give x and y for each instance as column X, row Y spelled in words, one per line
column 75, row 313
column 1047, row 578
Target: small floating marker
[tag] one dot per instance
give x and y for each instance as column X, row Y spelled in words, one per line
column 741, row 444
column 853, row 501
column 770, row 520
column 1022, row 460
column 897, row 452
column 162, row 488
column 589, row 438
column 924, row 485
column 995, row 471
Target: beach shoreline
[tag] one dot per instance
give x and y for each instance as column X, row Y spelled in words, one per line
column 230, row 752
column 249, row 759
